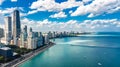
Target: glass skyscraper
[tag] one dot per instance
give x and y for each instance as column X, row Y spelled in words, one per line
column 16, row 26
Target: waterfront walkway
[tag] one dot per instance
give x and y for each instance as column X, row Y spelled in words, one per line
column 23, row 58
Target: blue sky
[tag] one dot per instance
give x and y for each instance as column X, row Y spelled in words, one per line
column 65, row 15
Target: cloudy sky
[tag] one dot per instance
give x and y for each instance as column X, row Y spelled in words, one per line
column 65, row 15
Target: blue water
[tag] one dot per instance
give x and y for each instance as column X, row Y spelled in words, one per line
column 63, row 54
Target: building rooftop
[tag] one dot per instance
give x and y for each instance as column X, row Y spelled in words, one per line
column 5, row 48
column 2, row 45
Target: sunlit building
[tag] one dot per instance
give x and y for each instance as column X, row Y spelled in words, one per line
column 31, row 40
column 46, row 39
column 8, row 29
column 16, row 26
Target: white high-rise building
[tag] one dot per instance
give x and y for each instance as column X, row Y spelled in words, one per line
column 32, row 43
column 23, row 37
column 46, row 39
column 22, row 40
column 8, row 29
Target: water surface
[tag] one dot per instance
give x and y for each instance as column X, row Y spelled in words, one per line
column 63, row 54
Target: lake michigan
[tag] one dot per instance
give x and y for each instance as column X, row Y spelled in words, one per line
column 90, row 50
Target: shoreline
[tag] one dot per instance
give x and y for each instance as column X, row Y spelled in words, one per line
column 26, row 57
column 39, row 51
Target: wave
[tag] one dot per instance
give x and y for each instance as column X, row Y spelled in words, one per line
column 94, row 46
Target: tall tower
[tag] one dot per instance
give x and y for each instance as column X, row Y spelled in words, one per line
column 25, row 29
column 8, row 29
column 16, row 26
column 25, row 32
column 1, row 33
column 31, row 40
column 23, row 37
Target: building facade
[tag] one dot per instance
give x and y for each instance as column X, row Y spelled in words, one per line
column 40, row 40
column 8, row 29
column 6, row 52
column 32, row 41
column 46, row 39
column 1, row 34
column 16, row 26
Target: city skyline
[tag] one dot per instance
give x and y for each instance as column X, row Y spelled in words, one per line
column 53, row 15
column 61, row 33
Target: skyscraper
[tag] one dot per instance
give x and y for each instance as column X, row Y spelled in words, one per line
column 25, row 29
column 1, row 34
column 46, row 39
column 23, row 37
column 40, row 39
column 8, row 29
column 31, row 40
column 25, row 32
column 30, row 29
column 16, row 26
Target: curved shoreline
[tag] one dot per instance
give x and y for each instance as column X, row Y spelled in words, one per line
column 24, row 58
column 36, row 53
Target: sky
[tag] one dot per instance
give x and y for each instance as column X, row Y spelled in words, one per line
column 65, row 15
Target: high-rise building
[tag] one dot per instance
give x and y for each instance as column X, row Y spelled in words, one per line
column 25, row 33
column 46, row 39
column 54, row 34
column 1, row 34
column 22, row 40
column 32, row 43
column 30, row 29
column 16, row 26
column 40, row 39
column 50, row 34
column 23, row 37
column 8, row 29
column 25, row 29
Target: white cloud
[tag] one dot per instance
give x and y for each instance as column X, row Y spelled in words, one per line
column 73, row 25
column 47, row 25
column 13, row 0
column 114, row 10
column 91, row 15
column 86, row 1
column 1, row 1
column 9, row 11
column 59, row 15
column 70, row 11
column 1, row 21
column 34, row 11
column 98, row 7
column 23, row 14
column 51, row 5
column 95, row 8
column 102, row 25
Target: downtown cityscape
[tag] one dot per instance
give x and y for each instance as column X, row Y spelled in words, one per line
column 59, row 33
column 13, row 36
